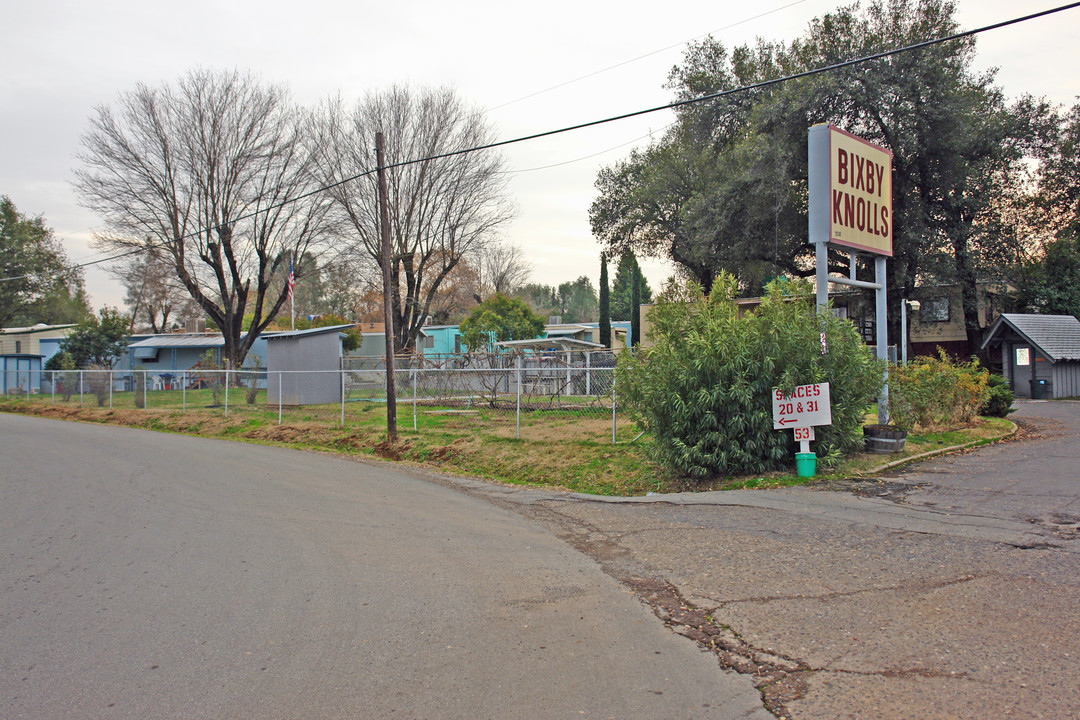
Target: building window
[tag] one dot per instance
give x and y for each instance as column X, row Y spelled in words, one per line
column 934, row 310
column 18, row 347
column 457, row 344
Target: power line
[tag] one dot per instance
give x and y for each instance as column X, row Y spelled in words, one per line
column 616, row 118
column 648, row 54
column 595, row 154
column 744, row 88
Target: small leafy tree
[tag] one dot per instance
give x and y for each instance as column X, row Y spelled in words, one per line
column 68, row 378
column 497, row 319
column 98, row 341
column 703, row 388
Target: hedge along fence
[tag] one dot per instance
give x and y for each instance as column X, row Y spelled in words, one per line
column 703, row 387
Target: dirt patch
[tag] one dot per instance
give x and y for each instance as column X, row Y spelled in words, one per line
column 294, row 433
column 392, row 450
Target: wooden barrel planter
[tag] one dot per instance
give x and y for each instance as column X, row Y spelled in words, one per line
column 884, row 438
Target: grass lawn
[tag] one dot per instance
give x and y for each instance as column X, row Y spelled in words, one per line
column 568, row 448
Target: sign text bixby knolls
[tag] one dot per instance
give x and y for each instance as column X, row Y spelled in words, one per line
column 856, row 211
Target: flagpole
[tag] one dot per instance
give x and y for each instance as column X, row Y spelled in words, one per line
column 292, row 301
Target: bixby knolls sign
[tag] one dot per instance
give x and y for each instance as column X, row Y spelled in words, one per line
column 850, row 209
column 850, row 191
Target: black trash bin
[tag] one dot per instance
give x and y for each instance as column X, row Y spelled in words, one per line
column 1042, row 389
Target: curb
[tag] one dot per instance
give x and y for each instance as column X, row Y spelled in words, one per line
column 942, row 451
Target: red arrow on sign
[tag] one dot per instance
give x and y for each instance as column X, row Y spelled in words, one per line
column 786, row 421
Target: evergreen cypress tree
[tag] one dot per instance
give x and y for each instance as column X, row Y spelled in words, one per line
column 605, row 304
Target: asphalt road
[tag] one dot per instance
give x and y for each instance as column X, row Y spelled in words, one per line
column 147, row 575
column 949, row 589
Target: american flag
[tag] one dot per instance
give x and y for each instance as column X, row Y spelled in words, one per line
column 291, row 281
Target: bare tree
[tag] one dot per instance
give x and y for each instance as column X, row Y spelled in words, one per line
column 441, row 206
column 214, row 172
column 154, row 295
column 502, row 268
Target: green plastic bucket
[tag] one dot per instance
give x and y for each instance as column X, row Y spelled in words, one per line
column 805, row 464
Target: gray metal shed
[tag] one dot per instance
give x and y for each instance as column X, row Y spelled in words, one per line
column 304, row 366
column 1040, row 354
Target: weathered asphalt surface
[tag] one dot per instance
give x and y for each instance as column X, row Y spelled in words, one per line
column 950, row 590
column 145, row 575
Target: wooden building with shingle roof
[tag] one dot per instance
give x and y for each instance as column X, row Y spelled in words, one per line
column 1040, row 354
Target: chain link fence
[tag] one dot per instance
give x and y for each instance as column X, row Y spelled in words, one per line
column 544, row 396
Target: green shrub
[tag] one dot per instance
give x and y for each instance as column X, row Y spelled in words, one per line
column 249, row 379
column 138, row 387
column 99, row 379
column 703, row 388
column 936, row 393
column 999, row 402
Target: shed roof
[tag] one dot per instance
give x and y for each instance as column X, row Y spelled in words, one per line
column 40, row 327
column 208, row 340
column 309, row 331
column 551, row 343
column 1056, row 336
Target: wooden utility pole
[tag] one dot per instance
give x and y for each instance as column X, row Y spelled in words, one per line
column 388, row 314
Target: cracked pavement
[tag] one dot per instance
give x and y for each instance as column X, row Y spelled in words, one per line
column 948, row 589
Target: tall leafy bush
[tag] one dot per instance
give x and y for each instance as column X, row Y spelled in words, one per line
column 936, row 393
column 703, row 387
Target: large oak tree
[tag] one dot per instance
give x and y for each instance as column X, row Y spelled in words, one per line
column 725, row 189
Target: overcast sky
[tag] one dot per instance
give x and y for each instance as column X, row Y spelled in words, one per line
column 533, row 66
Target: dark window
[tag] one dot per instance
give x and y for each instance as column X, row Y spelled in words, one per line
column 934, row 310
column 18, row 346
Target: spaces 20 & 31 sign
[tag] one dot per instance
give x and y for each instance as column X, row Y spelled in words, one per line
column 806, row 406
